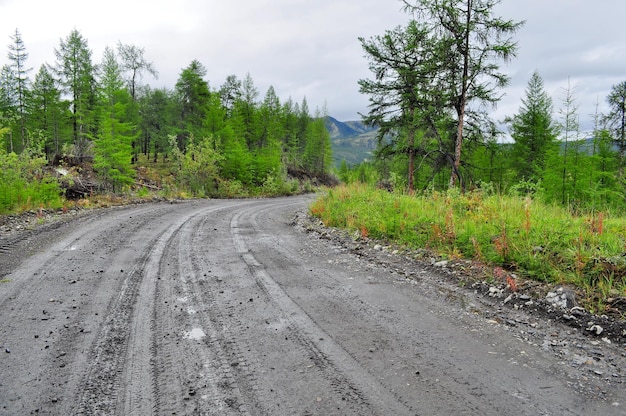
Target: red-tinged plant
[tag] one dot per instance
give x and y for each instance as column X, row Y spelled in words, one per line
column 597, row 224
column 511, row 282
column 501, row 243
column 527, row 215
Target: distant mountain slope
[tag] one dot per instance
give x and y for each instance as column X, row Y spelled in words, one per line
column 351, row 141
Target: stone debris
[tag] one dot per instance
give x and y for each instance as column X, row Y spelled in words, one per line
column 561, row 298
column 495, row 292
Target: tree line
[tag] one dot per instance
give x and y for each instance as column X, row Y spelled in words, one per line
column 77, row 110
column 433, row 83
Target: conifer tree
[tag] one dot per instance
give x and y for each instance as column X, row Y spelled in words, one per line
column 534, row 132
column 76, row 74
column 19, row 71
column 113, row 147
column 8, row 107
column 270, row 131
column 157, row 109
column 317, row 155
column 47, row 112
column 133, row 64
column 470, row 42
column 616, row 119
column 194, row 98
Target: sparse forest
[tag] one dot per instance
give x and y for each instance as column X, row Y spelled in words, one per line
column 538, row 199
column 81, row 127
column 433, row 85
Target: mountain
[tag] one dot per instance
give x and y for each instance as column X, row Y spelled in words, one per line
column 351, row 141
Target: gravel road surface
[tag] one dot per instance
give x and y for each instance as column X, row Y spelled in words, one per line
column 229, row 307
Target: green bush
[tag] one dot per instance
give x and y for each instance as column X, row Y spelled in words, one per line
column 24, row 185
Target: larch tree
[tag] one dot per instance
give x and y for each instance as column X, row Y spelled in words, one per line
column 47, row 111
column 230, row 92
column 194, row 97
column 77, row 75
column 534, row 131
column 18, row 57
column 318, row 151
column 8, row 107
column 133, row 64
column 269, row 131
column 616, row 120
column 401, row 93
column 157, row 108
column 570, row 132
column 471, row 42
column 113, row 147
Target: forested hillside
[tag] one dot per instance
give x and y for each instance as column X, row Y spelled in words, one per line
column 97, row 116
column 353, row 142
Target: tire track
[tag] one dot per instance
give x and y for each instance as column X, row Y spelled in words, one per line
column 57, row 290
column 153, row 354
column 217, row 391
column 195, row 360
column 349, row 379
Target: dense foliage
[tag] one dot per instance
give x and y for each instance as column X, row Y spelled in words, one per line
column 215, row 140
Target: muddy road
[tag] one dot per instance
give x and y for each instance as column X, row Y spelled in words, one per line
column 224, row 307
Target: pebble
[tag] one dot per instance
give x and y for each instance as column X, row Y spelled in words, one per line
column 597, row 329
column 562, row 298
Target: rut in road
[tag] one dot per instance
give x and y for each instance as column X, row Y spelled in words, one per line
column 208, row 350
column 351, row 381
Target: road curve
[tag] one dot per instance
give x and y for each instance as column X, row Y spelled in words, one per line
column 222, row 307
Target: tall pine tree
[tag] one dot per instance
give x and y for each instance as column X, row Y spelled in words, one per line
column 534, row 132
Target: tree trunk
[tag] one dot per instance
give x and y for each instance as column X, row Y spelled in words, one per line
column 458, row 145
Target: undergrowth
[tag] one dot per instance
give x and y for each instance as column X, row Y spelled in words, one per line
column 535, row 240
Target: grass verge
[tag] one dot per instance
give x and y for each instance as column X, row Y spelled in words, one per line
column 521, row 235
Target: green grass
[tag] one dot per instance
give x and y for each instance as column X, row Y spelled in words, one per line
column 535, row 240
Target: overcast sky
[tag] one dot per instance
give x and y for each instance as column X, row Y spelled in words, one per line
column 310, row 48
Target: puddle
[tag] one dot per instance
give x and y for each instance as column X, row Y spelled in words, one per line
column 195, row 334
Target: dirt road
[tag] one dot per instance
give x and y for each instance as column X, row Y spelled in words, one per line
column 226, row 308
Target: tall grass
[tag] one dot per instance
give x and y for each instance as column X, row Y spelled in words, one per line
column 536, row 240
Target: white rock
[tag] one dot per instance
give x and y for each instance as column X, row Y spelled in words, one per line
column 597, row 329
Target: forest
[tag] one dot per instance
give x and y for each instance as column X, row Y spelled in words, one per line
column 80, row 127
